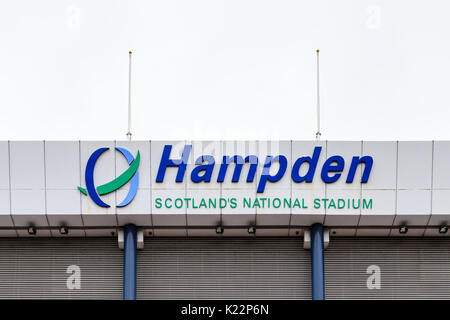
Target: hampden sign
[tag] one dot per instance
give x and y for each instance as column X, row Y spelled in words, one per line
column 205, row 165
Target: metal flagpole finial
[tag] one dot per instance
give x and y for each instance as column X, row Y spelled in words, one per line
column 318, row 134
column 129, row 97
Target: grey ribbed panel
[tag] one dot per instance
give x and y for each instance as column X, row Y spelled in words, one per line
column 35, row 268
column 411, row 268
column 223, row 268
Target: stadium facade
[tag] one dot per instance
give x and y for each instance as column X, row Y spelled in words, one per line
column 225, row 219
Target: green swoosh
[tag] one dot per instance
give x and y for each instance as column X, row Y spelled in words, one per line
column 83, row 190
column 119, row 181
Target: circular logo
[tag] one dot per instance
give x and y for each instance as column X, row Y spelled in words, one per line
column 130, row 174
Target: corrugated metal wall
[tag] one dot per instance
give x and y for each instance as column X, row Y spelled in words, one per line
column 223, row 268
column 410, row 268
column 35, row 268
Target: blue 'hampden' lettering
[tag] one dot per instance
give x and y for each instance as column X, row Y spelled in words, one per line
column 265, row 176
column 167, row 162
column 331, row 170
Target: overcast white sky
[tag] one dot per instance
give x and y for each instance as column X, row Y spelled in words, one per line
column 209, row 69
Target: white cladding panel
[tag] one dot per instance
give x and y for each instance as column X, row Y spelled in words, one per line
column 27, row 172
column 27, row 165
column 203, row 216
column 239, row 190
column 62, row 177
column 409, row 184
column 441, row 165
column 62, row 164
column 5, row 209
column 5, row 203
column 440, row 205
column 168, row 214
column 414, row 164
column 383, row 207
column 4, row 165
column 384, row 170
column 270, row 214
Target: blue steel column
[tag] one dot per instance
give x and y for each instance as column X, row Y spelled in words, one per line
column 317, row 263
column 129, row 262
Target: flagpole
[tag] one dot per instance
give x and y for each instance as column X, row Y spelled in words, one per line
column 318, row 134
column 129, row 97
